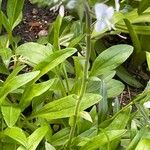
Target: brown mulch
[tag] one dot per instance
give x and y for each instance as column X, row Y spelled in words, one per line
column 35, row 19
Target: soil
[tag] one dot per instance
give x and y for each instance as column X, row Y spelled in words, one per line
column 35, row 20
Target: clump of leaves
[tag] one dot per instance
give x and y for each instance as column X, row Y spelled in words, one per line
column 76, row 105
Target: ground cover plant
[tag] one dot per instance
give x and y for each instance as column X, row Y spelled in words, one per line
column 64, row 90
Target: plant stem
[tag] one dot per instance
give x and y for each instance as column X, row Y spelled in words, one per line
column 85, row 76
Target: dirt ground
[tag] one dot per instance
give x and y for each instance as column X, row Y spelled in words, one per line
column 35, row 22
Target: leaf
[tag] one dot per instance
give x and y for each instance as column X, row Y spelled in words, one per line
column 57, row 26
column 137, row 138
column 17, row 82
column 21, row 148
column 3, row 41
column 65, row 107
column 3, row 69
column 138, row 56
column 14, row 73
column 19, row 19
column 48, row 146
column 114, row 88
column 120, row 122
column 8, row 146
column 10, row 114
column 85, row 115
column 34, row 53
column 78, row 66
column 34, row 90
column 127, row 77
column 76, row 41
column 6, row 54
column 35, row 138
column 148, row 59
column 17, row 134
column 102, row 139
column 144, row 144
column 103, row 104
column 144, row 4
column 110, row 59
column 85, row 136
column 53, row 60
column 14, row 8
column 5, row 22
column 84, row 125
column 61, row 137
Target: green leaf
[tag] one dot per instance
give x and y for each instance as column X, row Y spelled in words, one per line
column 33, row 91
column 17, row 82
column 114, row 88
column 110, row 59
column 85, row 115
column 138, row 57
column 65, row 107
column 61, row 137
column 3, row 41
column 103, row 104
column 144, row 144
column 148, row 59
column 19, row 19
column 3, row 69
column 120, row 122
column 21, row 148
column 137, row 138
column 53, row 60
column 127, row 77
column 14, row 73
column 48, row 146
column 6, row 54
column 144, row 4
column 102, row 139
column 76, row 41
column 17, row 134
column 144, row 30
column 10, row 114
column 34, row 53
column 8, row 146
column 57, row 26
column 78, row 66
column 5, row 22
column 35, row 138
column 14, row 8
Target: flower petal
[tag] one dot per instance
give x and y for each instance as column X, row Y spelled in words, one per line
column 100, row 25
column 71, row 4
column 100, row 10
column 147, row 104
column 61, row 11
column 109, row 12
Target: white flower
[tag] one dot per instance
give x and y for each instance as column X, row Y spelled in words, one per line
column 61, row 11
column 103, row 15
column 117, row 5
column 147, row 104
column 71, row 4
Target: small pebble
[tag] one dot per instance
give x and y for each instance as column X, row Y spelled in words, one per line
column 34, row 11
column 43, row 33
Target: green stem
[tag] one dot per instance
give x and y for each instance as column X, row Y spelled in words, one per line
column 85, row 77
column 66, row 77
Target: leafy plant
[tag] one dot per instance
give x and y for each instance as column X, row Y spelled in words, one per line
column 69, row 98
